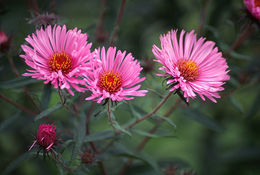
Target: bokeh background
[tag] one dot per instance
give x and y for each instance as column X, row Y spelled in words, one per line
column 210, row 139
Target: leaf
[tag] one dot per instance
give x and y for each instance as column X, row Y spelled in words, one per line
column 17, row 82
column 117, row 126
column 198, row 116
column 46, row 96
column 254, row 107
column 9, row 121
column 136, row 114
column 167, row 120
column 236, row 104
column 102, row 135
column 48, row 112
column 79, row 135
column 123, row 151
column 147, row 134
column 17, row 162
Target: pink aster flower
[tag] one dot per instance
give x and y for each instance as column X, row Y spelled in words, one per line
column 114, row 76
column 46, row 137
column 191, row 65
column 58, row 56
column 253, row 7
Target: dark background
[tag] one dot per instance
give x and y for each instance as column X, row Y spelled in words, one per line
column 227, row 143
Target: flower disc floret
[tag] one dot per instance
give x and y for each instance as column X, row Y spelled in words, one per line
column 110, row 82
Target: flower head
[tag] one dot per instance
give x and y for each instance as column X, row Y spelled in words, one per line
column 191, row 65
column 253, row 6
column 58, row 56
column 46, row 137
column 114, row 75
column 4, row 42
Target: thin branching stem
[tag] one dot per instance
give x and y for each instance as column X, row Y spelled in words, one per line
column 63, row 102
column 92, row 144
column 17, row 105
column 151, row 113
column 118, row 22
column 245, row 34
column 25, row 89
column 145, row 140
column 203, row 17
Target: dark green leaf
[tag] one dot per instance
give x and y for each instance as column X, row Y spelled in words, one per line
column 158, row 135
column 48, row 112
column 79, row 135
column 9, row 121
column 123, row 151
column 17, row 82
column 102, row 135
column 236, row 104
column 17, row 162
column 117, row 126
column 134, row 112
column 254, row 108
column 198, row 116
column 46, row 96
column 167, row 120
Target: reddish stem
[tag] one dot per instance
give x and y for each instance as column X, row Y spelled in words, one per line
column 246, row 33
column 53, row 5
column 92, row 144
column 202, row 17
column 25, row 89
column 100, row 33
column 17, row 105
column 142, row 144
column 118, row 21
column 151, row 113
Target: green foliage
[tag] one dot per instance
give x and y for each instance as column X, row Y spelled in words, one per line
column 204, row 137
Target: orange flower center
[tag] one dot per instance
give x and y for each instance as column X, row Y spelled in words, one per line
column 257, row 3
column 110, row 82
column 189, row 69
column 60, row 61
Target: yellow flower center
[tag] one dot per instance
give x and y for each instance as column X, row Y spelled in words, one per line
column 110, row 82
column 60, row 61
column 189, row 69
column 257, row 3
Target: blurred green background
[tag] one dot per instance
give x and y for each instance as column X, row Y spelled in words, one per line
column 225, row 141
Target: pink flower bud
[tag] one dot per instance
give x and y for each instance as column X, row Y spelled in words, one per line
column 4, row 42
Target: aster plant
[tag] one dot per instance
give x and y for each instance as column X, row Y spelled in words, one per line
column 108, row 101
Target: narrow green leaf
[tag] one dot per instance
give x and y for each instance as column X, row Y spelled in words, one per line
column 48, row 112
column 46, row 96
column 254, row 107
column 236, row 104
column 17, row 82
column 17, row 162
column 9, row 121
column 144, row 133
column 117, row 126
column 167, row 120
column 79, row 135
column 102, row 135
column 134, row 112
column 123, row 151
column 198, row 116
